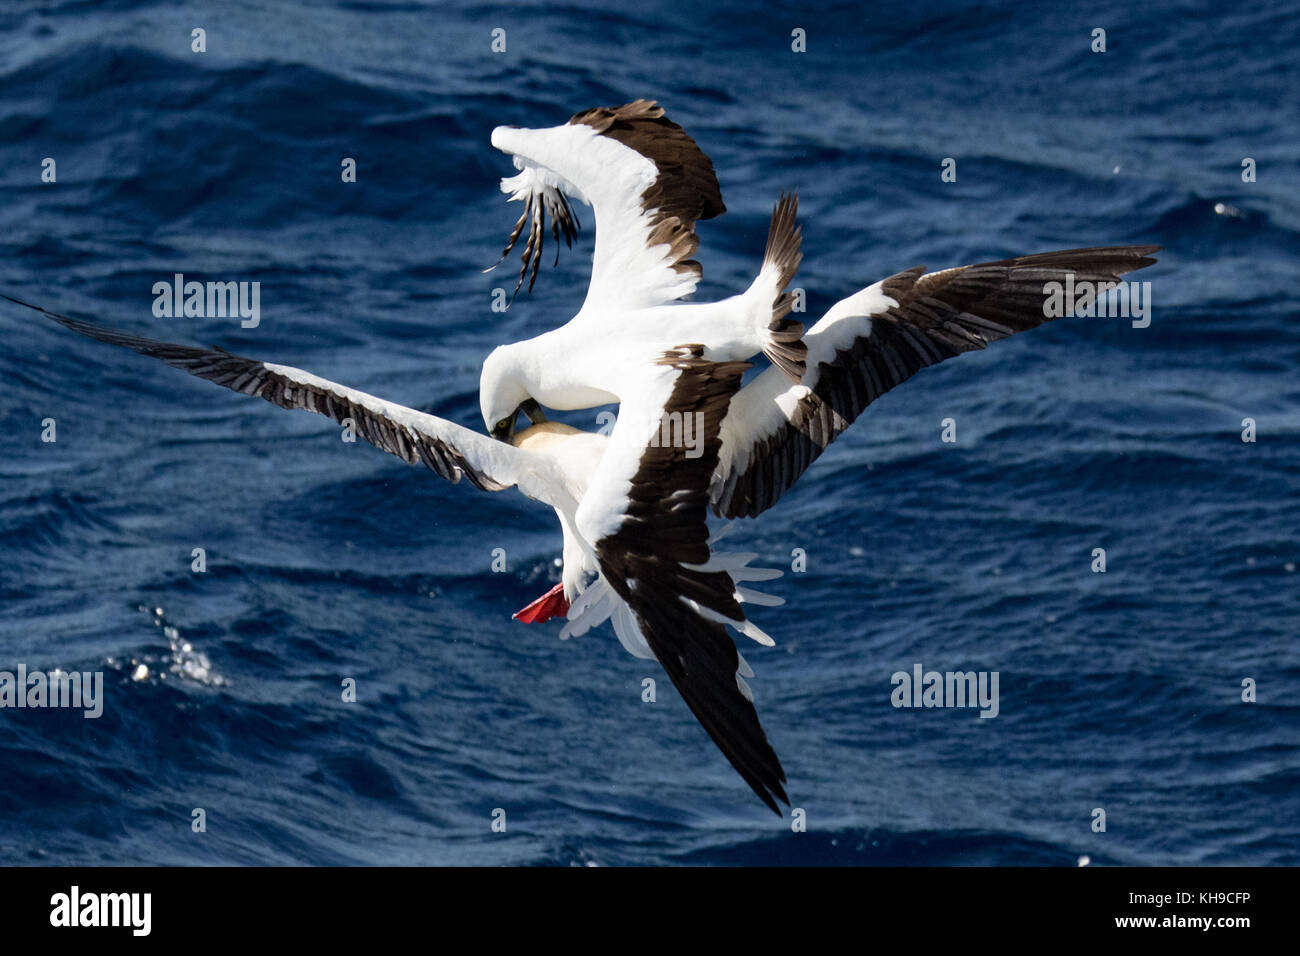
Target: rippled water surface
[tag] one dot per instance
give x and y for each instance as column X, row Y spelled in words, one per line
column 326, row 560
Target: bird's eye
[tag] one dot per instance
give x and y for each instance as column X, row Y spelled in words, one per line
column 503, row 425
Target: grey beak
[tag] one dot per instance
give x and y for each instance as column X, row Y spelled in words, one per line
column 506, row 434
column 532, row 410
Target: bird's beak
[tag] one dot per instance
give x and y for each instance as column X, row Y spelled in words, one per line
column 506, row 434
column 532, row 410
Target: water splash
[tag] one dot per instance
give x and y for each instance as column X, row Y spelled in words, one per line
column 184, row 660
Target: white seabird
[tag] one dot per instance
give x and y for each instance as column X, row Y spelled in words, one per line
column 667, row 596
column 648, row 183
column 640, row 519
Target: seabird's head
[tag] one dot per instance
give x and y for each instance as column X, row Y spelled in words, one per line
column 502, row 395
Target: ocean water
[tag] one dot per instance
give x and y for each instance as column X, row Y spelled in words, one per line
column 1120, row 691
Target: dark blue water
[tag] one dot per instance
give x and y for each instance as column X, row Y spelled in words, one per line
column 325, row 561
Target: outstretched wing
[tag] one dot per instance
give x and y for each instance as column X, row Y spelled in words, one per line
column 648, row 183
column 876, row 339
column 447, row 449
column 645, row 513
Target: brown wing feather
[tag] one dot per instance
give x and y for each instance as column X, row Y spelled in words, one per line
column 686, row 189
column 938, row 316
column 646, row 562
column 253, row 377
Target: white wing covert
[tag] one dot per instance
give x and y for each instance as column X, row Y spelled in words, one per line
column 647, row 182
